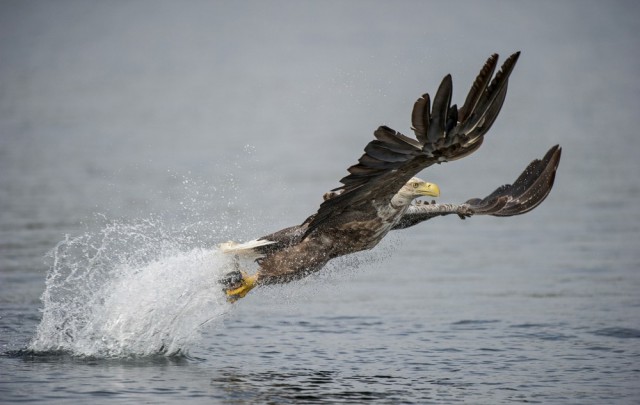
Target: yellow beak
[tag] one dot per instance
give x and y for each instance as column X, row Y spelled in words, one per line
column 429, row 189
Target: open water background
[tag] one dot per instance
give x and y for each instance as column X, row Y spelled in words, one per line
column 145, row 132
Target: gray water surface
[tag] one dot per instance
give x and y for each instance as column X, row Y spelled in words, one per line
column 135, row 136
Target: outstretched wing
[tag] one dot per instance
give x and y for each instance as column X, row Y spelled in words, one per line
column 443, row 133
column 528, row 191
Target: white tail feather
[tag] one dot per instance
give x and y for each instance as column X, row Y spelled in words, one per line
column 244, row 249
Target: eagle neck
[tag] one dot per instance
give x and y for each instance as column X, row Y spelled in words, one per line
column 399, row 202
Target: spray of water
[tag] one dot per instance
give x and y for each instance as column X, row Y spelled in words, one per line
column 131, row 289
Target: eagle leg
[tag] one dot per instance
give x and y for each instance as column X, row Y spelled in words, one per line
column 237, row 284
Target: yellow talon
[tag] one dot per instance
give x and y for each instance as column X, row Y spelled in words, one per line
column 247, row 283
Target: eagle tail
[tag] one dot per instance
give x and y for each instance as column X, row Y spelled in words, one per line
column 247, row 249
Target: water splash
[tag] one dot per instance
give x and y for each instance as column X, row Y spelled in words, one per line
column 131, row 289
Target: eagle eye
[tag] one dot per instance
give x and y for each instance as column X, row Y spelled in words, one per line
column 415, row 185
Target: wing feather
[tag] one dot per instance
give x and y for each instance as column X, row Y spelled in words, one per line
column 420, row 118
column 396, row 140
column 386, row 152
column 478, row 86
column 527, row 192
column 440, row 111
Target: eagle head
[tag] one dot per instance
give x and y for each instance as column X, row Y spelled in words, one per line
column 416, row 187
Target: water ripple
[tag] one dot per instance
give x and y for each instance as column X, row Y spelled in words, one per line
column 624, row 333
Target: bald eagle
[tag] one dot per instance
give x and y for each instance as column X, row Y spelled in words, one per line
column 378, row 194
